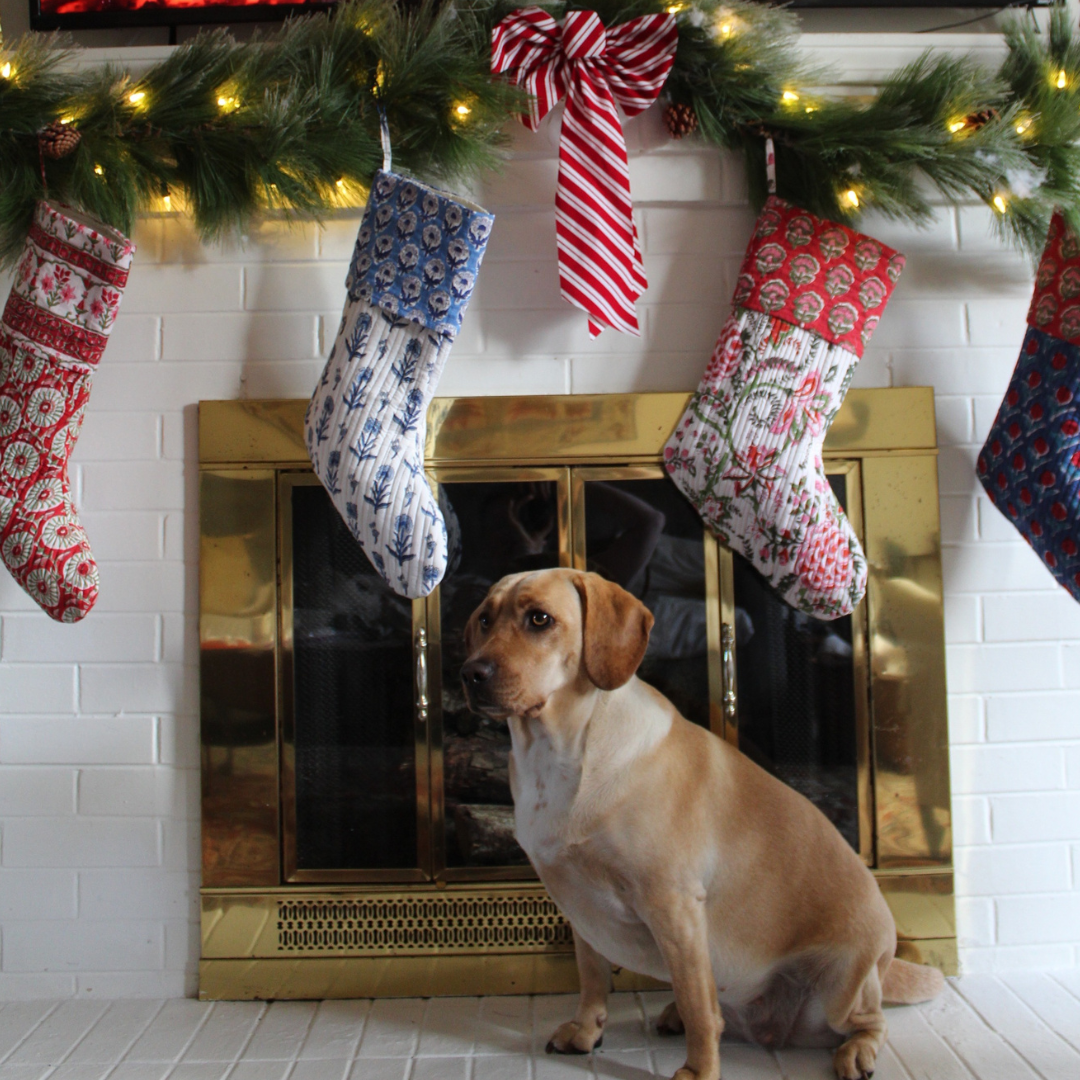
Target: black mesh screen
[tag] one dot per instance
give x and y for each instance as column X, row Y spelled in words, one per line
column 353, row 700
column 797, row 695
column 645, row 536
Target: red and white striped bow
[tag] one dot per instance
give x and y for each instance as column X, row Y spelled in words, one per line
column 600, row 267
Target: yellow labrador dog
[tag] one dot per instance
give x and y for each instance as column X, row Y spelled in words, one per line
column 671, row 853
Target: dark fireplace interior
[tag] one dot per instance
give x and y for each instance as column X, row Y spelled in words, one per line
column 356, row 792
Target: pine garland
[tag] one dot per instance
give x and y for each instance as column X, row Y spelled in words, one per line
column 291, row 122
column 227, row 130
column 1004, row 138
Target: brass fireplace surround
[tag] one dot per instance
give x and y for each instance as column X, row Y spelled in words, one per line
column 270, row 930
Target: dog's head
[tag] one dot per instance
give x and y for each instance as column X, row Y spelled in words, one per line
column 537, row 633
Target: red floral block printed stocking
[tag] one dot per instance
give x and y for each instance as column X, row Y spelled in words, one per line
column 55, row 326
column 747, row 451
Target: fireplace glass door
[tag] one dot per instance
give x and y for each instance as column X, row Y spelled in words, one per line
column 802, row 690
column 500, row 521
column 353, row 776
column 635, row 528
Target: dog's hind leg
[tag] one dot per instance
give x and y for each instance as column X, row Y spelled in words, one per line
column 586, row 1031
column 854, row 1011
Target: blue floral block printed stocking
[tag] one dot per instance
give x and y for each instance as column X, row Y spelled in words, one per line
column 1030, row 463
column 412, row 273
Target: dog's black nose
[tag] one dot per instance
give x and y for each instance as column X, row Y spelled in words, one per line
column 476, row 672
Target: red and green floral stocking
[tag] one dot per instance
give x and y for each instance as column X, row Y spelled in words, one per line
column 747, row 451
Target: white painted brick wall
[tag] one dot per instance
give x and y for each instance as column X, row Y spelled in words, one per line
column 99, row 835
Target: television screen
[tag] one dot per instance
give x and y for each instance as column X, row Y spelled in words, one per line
column 95, row 14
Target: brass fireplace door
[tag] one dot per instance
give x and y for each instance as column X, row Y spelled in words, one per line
column 357, row 819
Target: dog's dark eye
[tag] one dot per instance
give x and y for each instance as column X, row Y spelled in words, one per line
column 539, row 619
column 484, row 622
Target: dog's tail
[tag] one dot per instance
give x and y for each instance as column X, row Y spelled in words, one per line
column 906, row 983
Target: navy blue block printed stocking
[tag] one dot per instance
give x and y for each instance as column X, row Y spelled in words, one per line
column 413, row 270
column 1030, row 463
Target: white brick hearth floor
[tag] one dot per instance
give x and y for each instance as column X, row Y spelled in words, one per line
column 1016, row 1027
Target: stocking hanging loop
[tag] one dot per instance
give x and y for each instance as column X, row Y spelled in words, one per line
column 384, row 138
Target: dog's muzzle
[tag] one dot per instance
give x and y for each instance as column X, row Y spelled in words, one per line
column 476, row 679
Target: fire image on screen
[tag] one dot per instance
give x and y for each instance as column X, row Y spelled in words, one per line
column 88, row 7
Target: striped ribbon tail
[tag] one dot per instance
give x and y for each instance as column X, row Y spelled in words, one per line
column 600, row 265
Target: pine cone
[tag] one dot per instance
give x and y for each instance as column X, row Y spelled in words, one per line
column 680, row 120
column 58, row 140
column 976, row 120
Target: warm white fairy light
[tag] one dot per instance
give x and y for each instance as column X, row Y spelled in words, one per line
column 136, row 96
column 6, row 70
column 98, row 170
column 851, row 198
column 957, row 125
column 727, row 23
column 790, row 96
column 462, row 111
column 1000, row 205
column 1062, row 81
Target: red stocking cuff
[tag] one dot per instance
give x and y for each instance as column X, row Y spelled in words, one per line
column 817, row 274
column 1055, row 305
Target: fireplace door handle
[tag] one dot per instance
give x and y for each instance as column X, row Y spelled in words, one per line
column 727, row 654
column 421, row 676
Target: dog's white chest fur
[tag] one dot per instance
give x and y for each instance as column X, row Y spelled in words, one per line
column 544, row 785
column 552, row 825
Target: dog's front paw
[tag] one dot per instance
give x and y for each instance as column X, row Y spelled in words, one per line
column 575, row 1038
column 856, row 1058
column 686, row 1073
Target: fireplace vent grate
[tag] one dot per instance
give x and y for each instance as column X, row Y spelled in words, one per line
column 402, row 923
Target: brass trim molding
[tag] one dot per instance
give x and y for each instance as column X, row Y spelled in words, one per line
column 589, row 429
column 410, row 976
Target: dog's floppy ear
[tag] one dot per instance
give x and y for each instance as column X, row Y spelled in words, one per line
column 615, row 630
